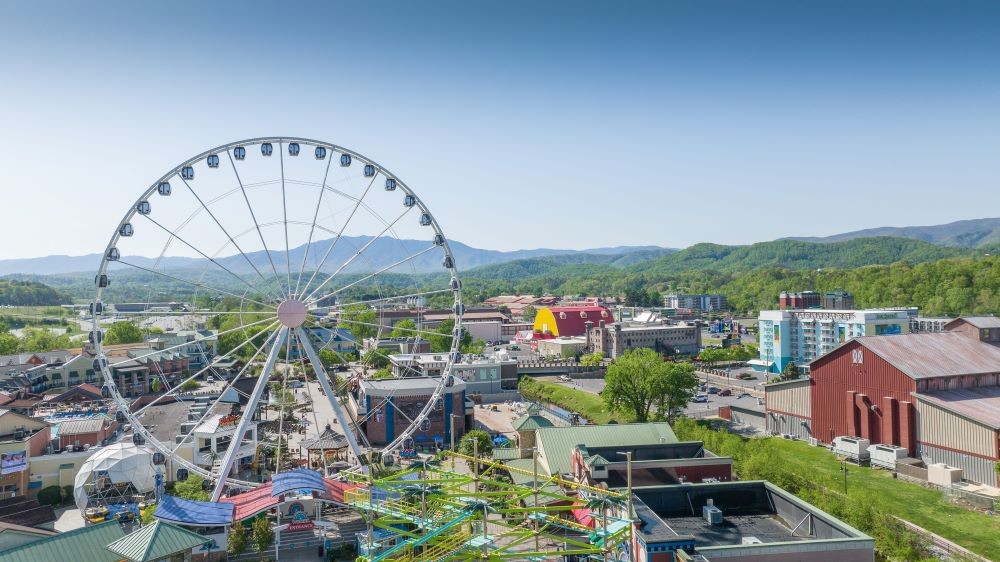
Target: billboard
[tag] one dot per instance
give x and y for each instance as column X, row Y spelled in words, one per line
column 14, row 461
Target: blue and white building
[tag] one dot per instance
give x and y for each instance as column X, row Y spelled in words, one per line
column 799, row 336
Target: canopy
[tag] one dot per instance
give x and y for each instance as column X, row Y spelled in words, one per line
column 253, row 502
column 122, row 463
column 195, row 513
column 298, row 479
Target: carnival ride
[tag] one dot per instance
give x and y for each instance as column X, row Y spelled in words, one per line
column 267, row 238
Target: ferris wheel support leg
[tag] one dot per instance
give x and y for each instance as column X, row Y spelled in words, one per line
column 247, row 417
column 324, row 381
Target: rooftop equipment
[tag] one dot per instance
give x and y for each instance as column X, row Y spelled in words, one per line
column 885, row 456
column 854, row 448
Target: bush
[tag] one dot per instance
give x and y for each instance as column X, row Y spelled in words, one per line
column 50, row 496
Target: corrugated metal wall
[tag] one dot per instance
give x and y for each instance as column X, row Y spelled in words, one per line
column 779, row 423
column 844, row 392
column 747, row 417
column 973, row 468
column 936, row 426
column 790, row 398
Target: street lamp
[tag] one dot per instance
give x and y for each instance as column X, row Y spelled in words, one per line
column 843, row 468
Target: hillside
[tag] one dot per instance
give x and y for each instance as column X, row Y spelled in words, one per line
column 383, row 252
column 28, row 293
column 961, row 234
column 793, row 254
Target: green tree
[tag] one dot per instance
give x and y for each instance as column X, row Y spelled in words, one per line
column 329, row 358
column 790, row 372
column 262, row 534
column 405, row 328
column 441, row 341
column 8, row 344
column 192, row 489
column 677, row 388
column 476, row 442
column 155, row 385
column 592, row 359
column 237, row 542
column 361, row 321
column 528, row 313
column 375, row 358
column 122, row 332
column 41, row 339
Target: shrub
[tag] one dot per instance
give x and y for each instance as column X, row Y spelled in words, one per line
column 50, row 496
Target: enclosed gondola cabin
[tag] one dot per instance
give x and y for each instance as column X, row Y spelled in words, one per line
column 293, row 149
column 448, row 262
column 369, row 171
column 138, row 439
column 164, row 188
column 345, row 160
column 390, row 184
column 425, row 220
column 409, row 201
column 240, row 153
column 97, row 308
column 320, row 152
column 143, row 207
column 187, row 173
column 213, row 160
column 113, row 254
column 101, row 280
column 266, row 149
column 439, row 239
column 126, row 229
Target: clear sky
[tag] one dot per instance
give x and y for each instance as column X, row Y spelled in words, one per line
column 522, row 124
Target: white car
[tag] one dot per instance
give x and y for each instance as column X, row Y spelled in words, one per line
column 565, row 378
column 210, row 379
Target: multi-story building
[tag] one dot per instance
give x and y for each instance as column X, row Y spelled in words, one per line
column 490, row 378
column 800, row 336
column 387, row 407
column 703, row 302
column 838, row 300
column 615, row 339
column 800, row 300
column 921, row 324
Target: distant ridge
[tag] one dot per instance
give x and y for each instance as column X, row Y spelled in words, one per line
column 380, row 254
column 973, row 233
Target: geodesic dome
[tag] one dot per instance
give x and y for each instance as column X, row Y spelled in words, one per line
column 121, row 463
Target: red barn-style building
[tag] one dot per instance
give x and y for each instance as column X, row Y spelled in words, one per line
column 569, row 321
column 935, row 394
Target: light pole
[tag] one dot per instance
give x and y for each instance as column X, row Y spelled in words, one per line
column 843, row 468
column 628, row 484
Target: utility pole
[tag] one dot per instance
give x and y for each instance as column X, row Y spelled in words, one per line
column 843, row 468
column 534, row 486
column 628, row 515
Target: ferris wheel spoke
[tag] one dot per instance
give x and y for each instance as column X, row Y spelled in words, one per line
column 182, row 313
column 376, row 273
column 223, row 229
column 173, row 391
column 312, row 229
column 229, row 385
column 390, row 299
column 241, row 428
column 284, row 210
column 356, row 255
column 253, row 216
column 199, row 340
column 203, row 254
column 391, row 328
column 340, row 235
column 324, row 380
column 196, row 284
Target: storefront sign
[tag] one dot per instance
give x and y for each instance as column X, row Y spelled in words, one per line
column 301, row 526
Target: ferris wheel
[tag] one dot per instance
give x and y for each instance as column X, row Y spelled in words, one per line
column 263, row 254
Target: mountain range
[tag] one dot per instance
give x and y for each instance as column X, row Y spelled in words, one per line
column 382, row 253
column 975, row 233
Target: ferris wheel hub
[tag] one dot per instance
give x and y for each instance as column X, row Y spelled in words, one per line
column 292, row 313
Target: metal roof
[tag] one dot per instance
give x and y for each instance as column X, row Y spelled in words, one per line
column 923, row 356
column 981, row 404
column 92, row 424
column 557, row 443
column 156, row 542
column 194, row 513
column 528, row 423
column 298, row 479
column 978, row 321
column 87, row 543
column 408, row 386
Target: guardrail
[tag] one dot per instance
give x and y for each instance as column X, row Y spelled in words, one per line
column 940, row 542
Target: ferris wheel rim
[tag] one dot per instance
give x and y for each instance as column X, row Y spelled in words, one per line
column 123, row 403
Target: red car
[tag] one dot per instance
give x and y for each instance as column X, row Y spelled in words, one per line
column 725, row 392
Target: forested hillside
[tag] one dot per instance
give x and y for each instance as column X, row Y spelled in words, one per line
column 28, row 293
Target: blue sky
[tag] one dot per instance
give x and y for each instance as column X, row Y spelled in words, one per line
column 521, row 124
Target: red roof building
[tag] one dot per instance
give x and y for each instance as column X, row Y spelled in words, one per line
column 569, row 321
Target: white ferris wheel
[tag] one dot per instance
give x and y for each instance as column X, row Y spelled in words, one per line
column 270, row 243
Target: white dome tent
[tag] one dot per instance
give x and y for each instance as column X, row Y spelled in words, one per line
column 115, row 474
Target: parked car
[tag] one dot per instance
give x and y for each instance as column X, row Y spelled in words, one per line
column 565, row 378
column 726, row 392
column 210, row 379
column 747, row 376
column 713, row 390
column 700, row 398
column 744, row 395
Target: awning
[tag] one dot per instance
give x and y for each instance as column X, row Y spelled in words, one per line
column 298, row 479
column 195, row 513
column 583, row 515
column 760, row 363
column 251, row 503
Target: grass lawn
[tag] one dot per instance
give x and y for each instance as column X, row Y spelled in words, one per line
column 928, row 508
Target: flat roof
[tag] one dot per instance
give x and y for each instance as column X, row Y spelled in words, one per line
column 408, row 386
column 981, row 404
column 766, row 528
